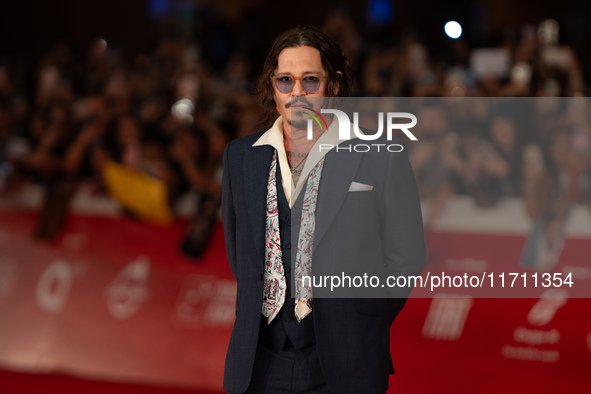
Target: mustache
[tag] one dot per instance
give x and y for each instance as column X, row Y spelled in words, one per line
column 299, row 101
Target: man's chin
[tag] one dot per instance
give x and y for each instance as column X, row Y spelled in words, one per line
column 298, row 123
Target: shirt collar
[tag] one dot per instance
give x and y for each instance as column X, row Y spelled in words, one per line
column 274, row 137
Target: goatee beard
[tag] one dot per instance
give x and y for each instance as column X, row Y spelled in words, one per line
column 298, row 123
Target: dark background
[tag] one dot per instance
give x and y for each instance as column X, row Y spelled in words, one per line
column 27, row 27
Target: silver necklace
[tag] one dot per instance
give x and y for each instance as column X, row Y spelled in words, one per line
column 297, row 170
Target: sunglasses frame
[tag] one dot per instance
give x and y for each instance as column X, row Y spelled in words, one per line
column 275, row 76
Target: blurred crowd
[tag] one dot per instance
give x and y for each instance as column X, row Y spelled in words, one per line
column 169, row 113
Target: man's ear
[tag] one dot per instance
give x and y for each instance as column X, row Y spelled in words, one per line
column 336, row 92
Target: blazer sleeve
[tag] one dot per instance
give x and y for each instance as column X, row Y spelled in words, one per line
column 402, row 227
column 229, row 213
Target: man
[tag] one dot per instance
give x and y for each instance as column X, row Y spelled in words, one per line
column 276, row 186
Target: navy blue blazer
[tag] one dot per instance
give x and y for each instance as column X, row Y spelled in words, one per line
column 382, row 229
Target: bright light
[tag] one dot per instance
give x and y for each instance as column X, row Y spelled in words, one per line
column 183, row 110
column 453, row 29
column 183, row 107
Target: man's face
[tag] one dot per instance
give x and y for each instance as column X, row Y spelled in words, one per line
column 299, row 62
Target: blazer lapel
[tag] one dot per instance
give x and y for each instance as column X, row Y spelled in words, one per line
column 338, row 173
column 257, row 161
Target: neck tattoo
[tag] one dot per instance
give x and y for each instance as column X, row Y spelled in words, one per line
column 297, row 169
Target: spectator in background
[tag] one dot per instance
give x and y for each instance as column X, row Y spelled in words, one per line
column 6, row 131
column 128, row 142
column 198, row 152
column 52, row 131
column 428, row 159
column 547, row 202
column 504, row 141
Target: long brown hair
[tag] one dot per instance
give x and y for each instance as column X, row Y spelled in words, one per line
column 331, row 56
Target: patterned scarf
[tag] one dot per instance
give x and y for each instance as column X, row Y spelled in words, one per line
column 274, row 277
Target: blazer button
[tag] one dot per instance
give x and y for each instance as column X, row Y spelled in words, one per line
column 287, row 317
column 288, row 245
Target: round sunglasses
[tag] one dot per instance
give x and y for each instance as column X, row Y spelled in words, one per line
column 310, row 83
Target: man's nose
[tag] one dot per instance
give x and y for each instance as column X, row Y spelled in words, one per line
column 298, row 89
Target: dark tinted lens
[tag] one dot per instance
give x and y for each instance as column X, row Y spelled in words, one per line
column 311, row 83
column 284, row 84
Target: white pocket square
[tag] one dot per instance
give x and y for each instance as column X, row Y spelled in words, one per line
column 360, row 187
